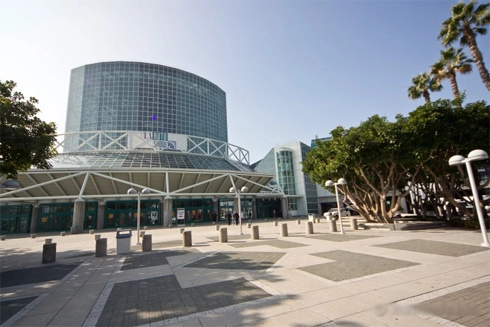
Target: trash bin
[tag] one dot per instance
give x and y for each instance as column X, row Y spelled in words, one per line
column 123, row 241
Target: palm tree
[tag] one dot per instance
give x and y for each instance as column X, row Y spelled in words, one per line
column 465, row 23
column 451, row 62
column 422, row 84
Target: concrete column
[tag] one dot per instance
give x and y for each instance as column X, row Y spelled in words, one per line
column 101, row 247
column 78, row 216
column 255, row 232
column 223, row 235
column 254, row 207
column 49, row 253
column 186, row 238
column 147, row 244
column 167, row 212
column 309, row 227
column 353, row 223
column 284, row 208
column 216, row 206
column 284, row 230
column 100, row 215
column 34, row 218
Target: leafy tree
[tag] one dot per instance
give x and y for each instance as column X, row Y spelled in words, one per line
column 445, row 128
column 373, row 158
column 451, row 62
column 25, row 140
column 465, row 23
column 421, row 85
column 385, row 161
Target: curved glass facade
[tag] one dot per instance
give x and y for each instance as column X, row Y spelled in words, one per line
column 135, row 96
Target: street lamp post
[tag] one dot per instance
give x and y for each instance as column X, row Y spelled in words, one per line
column 10, row 185
column 244, row 189
column 133, row 191
column 457, row 160
column 341, row 181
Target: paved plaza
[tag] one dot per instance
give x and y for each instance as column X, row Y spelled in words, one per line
column 432, row 277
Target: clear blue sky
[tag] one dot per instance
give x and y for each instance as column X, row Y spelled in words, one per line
column 290, row 69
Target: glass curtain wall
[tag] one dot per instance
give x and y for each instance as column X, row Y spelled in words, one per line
column 15, row 218
column 124, row 214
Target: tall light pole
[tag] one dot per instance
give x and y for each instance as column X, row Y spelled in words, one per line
column 341, row 181
column 133, row 191
column 457, row 160
column 244, row 189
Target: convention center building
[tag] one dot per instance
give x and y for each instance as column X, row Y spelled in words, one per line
column 140, row 137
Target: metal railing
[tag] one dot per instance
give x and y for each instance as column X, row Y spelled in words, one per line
column 123, row 141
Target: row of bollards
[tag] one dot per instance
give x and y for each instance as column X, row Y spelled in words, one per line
column 49, row 248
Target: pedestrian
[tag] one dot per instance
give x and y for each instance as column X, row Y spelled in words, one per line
column 235, row 218
column 228, row 216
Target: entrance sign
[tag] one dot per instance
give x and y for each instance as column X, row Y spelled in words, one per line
column 180, row 217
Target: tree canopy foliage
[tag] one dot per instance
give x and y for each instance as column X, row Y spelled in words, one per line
column 25, row 140
column 383, row 161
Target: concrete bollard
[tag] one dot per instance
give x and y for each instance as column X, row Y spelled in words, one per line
column 91, row 231
column 217, row 226
column 182, row 230
column 63, row 233
column 255, row 232
column 3, row 237
column 142, row 233
column 48, row 240
column 353, row 223
column 100, row 247
column 186, row 238
column 275, row 223
column 309, row 228
column 49, row 253
column 332, row 225
column 97, row 237
column 284, row 230
column 249, row 225
column 146, row 246
column 223, row 235
column 33, row 235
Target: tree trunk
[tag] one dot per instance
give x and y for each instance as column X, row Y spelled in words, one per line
column 477, row 56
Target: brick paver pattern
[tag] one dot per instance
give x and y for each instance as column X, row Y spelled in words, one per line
column 434, row 247
column 10, row 307
column 340, row 237
column 468, row 307
column 35, row 274
column 138, row 260
column 238, row 260
column 151, row 300
column 349, row 265
column 275, row 243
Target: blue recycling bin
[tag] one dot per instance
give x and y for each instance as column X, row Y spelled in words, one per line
column 123, row 241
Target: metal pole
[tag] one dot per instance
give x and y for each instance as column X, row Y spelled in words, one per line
column 138, row 219
column 474, row 190
column 240, row 211
column 338, row 209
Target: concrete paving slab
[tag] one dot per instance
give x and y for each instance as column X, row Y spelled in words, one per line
column 271, row 267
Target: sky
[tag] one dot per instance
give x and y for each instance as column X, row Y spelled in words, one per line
column 291, row 70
